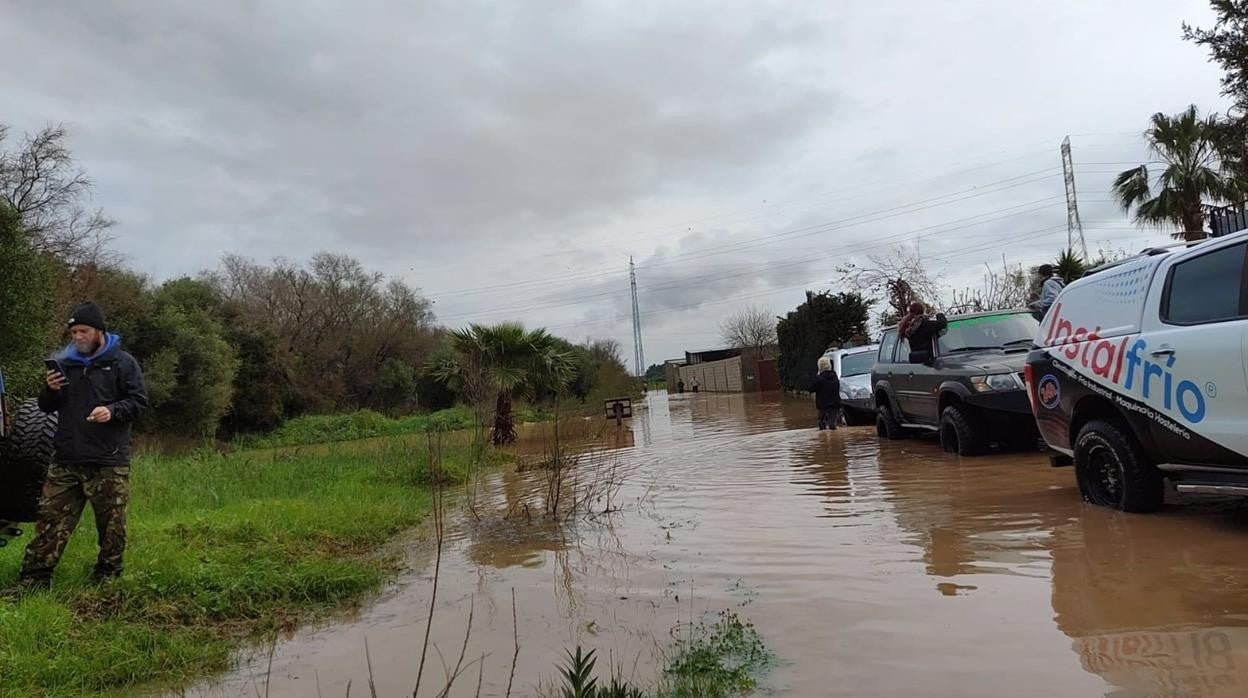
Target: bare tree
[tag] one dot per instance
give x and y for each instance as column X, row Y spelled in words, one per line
column 1001, row 290
column 899, row 276
column 749, row 328
column 41, row 182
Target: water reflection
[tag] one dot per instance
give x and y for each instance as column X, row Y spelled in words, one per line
column 873, row 568
column 1157, row 606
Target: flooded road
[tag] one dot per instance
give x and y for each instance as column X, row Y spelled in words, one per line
column 871, row 568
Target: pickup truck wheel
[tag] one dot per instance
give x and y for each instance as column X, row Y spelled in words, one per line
column 961, row 432
column 24, row 460
column 886, row 424
column 1112, row 471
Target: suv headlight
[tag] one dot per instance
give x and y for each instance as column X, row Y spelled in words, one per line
column 995, row 382
column 858, row 392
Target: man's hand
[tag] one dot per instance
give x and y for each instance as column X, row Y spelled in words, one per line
column 100, row 415
column 55, row 379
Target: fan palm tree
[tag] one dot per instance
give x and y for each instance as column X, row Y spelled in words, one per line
column 501, row 361
column 1193, row 175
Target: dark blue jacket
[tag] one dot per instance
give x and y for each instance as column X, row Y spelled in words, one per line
column 112, row 379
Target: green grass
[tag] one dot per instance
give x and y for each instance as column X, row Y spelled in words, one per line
column 715, row 660
column 366, row 424
column 222, row 549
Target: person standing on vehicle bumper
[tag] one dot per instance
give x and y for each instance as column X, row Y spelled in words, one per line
column 97, row 401
column 827, row 390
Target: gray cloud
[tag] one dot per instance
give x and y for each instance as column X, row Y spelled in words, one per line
column 536, row 146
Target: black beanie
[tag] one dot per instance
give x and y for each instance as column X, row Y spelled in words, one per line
column 88, row 314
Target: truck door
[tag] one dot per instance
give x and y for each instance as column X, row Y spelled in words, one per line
column 1191, row 364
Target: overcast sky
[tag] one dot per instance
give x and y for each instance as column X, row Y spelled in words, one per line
column 508, row 157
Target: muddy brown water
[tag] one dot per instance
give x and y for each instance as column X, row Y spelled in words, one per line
column 871, row 568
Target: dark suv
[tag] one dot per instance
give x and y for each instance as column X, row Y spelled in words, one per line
column 967, row 386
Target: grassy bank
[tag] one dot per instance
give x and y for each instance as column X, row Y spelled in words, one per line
column 365, row 424
column 221, row 549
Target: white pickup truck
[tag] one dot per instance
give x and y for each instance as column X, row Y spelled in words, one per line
column 1141, row 375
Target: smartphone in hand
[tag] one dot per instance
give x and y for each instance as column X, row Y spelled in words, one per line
column 54, row 366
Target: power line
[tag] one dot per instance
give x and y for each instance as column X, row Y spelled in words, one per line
column 796, row 233
column 854, row 247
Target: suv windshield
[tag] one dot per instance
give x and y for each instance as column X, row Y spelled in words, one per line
column 1007, row 330
column 857, row 364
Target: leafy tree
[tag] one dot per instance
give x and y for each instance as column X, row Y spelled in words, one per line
column 398, row 385
column 188, row 365
column 806, row 333
column 1227, row 42
column 28, row 311
column 655, row 372
column 1192, row 178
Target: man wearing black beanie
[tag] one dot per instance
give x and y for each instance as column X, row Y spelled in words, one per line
column 97, row 394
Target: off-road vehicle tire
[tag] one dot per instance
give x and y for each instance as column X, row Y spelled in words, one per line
column 1112, row 471
column 961, row 432
column 886, row 424
column 24, row 460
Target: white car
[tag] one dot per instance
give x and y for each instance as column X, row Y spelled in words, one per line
column 1140, row 375
column 853, row 366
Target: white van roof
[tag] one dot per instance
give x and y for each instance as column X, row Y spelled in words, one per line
column 1109, row 302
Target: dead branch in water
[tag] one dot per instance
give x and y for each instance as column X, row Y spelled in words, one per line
column 434, row 444
column 368, row 660
column 459, row 664
column 515, row 627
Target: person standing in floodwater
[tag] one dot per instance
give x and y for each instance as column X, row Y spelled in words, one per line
column 827, row 390
column 695, row 385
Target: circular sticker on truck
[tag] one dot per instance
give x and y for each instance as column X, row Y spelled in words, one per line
column 1049, row 391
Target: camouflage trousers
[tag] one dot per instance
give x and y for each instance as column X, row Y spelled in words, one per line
column 65, row 493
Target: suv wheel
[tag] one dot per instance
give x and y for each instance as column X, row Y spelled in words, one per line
column 961, row 432
column 24, row 461
column 886, row 424
column 1112, row 471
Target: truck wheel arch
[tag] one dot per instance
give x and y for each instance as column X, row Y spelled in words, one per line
column 1091, row 407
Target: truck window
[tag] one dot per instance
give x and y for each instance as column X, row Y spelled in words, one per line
column 887, row 345
column 1208, row 288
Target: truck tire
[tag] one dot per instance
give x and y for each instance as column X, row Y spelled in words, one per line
column 24, row 460
column 961, row 432
column 1112, row 471
column 886, row 424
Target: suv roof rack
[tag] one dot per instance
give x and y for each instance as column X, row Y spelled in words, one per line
column 1146, row 252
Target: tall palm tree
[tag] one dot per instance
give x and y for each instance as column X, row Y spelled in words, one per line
column 501, row 361
column 1193, row 175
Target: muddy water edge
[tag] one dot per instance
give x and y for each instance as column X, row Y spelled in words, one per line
column 871, row 568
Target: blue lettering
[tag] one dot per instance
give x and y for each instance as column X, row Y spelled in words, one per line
column 1150, row 369
column 1197, row 413
column 1133, row 360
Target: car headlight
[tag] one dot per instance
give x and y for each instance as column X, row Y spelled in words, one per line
column 995, row 382
column 859, row 391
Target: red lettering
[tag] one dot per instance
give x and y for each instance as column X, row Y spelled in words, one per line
column 1057, row 313
column 1092, row 336
column 1098, row 368
column 1073, row 350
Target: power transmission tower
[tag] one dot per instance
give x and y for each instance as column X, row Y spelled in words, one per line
column 1073, row 225
column 638, row 354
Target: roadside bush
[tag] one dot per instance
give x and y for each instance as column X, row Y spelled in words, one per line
column 806, row 332
column 28, row 313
